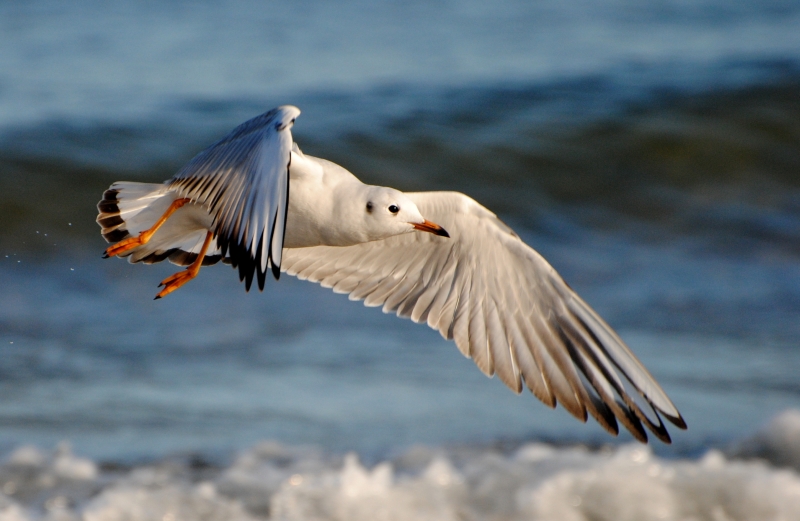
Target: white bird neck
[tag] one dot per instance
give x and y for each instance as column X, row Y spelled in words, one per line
column 324, row 205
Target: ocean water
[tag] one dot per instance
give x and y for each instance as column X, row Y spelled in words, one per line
column 649, row 150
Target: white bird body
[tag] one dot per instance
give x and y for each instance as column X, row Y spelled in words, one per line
column 476, row 283
column 317, row 186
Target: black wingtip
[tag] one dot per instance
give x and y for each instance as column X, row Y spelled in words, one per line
column 157, row 297
column 276, row 271
column 678, row 421
column 105, row 255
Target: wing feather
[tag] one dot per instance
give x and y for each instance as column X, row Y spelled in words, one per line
column 243, row 180
column 504, row 306
column 505, row 363
column 531, row 371
column 459, row 328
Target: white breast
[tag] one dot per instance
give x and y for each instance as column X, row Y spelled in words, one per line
column 316, row 191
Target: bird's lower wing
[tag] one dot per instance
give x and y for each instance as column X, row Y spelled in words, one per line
column 504, row 306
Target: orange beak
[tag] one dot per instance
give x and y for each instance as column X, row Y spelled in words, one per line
column 427, row 226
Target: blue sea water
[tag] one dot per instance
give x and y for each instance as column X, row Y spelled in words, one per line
column 649, row 150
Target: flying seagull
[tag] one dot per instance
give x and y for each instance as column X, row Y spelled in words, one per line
column 254, row 200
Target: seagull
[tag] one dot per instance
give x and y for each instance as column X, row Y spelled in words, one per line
column 255, row 201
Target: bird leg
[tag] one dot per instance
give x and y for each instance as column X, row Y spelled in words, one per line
column 177, row 280
column 132, row 242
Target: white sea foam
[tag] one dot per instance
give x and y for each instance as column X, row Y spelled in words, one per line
column 778, row 442
column 274, row 481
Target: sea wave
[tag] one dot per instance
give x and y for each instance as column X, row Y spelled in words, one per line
column 722, row 163
column 533, row 481
column 696, row 268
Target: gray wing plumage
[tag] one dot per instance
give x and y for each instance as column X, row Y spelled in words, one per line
column 243, row 180
column 504, row 306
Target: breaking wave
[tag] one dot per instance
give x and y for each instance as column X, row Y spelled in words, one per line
column 533, row 482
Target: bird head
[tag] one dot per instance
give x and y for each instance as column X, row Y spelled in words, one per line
column 389, row 212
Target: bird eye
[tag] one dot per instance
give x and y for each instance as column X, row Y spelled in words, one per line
column 369, row 207
column 394, row 208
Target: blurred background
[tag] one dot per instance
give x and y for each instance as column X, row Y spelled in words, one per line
column 650, row 150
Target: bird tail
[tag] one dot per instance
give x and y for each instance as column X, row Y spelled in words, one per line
column 129, row 208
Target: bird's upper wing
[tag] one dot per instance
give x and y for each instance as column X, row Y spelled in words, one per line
column 243, row 180
column 504, row 306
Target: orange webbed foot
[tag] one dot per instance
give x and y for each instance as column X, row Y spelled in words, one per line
column 125, row 245
column 175, row 281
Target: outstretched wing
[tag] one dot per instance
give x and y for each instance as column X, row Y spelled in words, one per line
column 243, row 180
column 504, row 306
